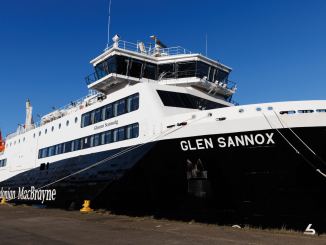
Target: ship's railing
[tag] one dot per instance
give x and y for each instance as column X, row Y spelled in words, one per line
column 150, row 50
column 61, row 112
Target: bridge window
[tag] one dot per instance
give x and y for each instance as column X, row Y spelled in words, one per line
column 221, row 76
column 110, row 65
column 122, row 64
column 186, row 69
column 166, row 71
column 135, row 68
column 100, row 71
column 202, row 69
column 150, row 71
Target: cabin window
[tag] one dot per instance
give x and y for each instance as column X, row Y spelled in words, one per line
column 115, row 135
column 44, row 152
column 34, row 135
column 97, row 116
column 186, row 101
column 4, row 162
column 40, row 154
column 103, row 113
column 19, row 141
column 129, row 104
column 85, row 143
column 189, row 101
column 136, row 101
column 67, row 123
column 59, row 125
column 102, row 138
column 129, row 132
column 24, row 139
column 91, row 141
column 109, row 111
column 39, row 133
column 116, row 109
column 122, row 107
column 150, row 71
column 92, row 117
column 76, row 119
column 96, row 139
column 108, row 137
column 83, row 121
column 176, row 99
column 46, row 131
column 135, row 130
column 121, row 133
column 60, row 148
column 51, row 151
column 52, row 128
column 67, row 147
column 87, row 119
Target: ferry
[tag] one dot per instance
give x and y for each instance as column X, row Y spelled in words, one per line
column 159, row 133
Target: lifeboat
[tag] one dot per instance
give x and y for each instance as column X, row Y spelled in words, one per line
column 2, row 144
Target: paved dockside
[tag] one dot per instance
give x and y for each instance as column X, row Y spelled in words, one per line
column 30, row 225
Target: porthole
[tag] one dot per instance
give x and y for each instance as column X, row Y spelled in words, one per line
column 39, row 133
column 270, row 108
column 241, row 110
column 52, row 128
column 258, row 109
column 59, row 125
column 34, row 136
column 76, row 119
column 46, row 130
column 67, row 123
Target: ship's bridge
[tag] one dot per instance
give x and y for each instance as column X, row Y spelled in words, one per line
column 126, row 63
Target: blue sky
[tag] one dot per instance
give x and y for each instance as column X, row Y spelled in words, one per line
column 276, row 48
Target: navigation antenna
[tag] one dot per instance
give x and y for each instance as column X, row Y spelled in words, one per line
column 107, row 46
column 158, row 44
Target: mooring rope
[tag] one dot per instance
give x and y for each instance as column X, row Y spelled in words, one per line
column 272, row 125
column 297, row 137
column 154, row 137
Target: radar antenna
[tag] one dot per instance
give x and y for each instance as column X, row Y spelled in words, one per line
column 158, row 42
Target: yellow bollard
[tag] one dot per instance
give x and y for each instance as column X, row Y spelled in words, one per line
column 3, row 201
column 86, row 207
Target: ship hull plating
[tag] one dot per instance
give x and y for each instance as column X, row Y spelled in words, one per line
column 250, row 178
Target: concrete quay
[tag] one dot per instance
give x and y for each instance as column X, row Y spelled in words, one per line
column 32, row 225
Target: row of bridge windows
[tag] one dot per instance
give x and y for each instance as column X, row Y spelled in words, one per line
column 141, row 69
column 117, row 108
column 110, row 136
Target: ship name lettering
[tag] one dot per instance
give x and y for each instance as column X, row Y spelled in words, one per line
column 228, row 141
column 200, row 144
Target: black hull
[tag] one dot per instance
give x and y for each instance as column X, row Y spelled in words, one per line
column 258, row 184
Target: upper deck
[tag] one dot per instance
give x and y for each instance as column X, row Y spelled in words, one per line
column 126, row 63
